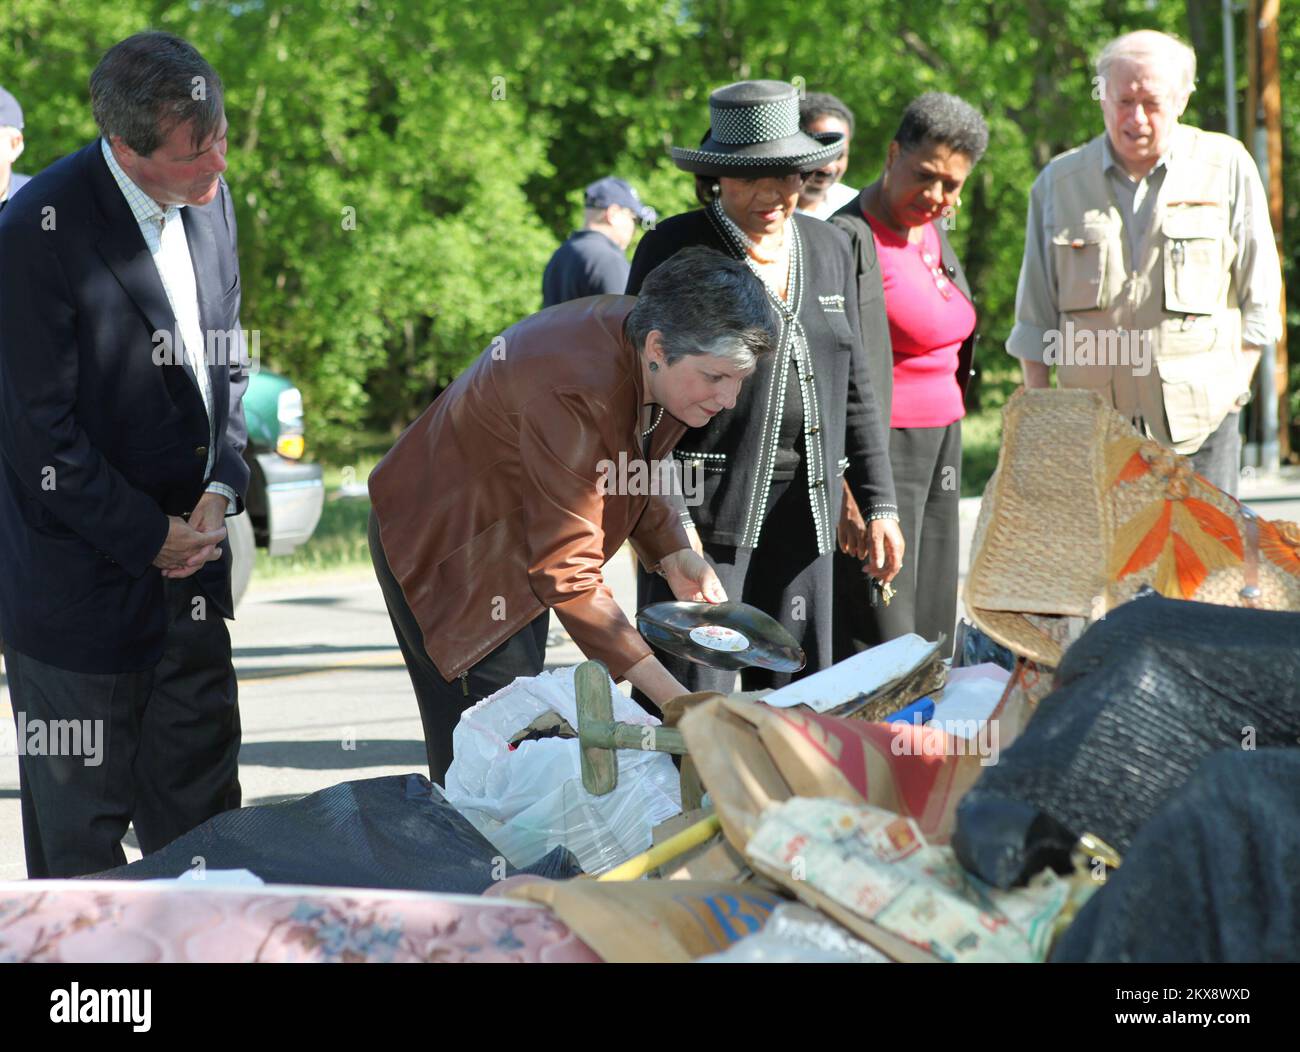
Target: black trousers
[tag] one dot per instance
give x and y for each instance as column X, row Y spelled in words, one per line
column 441, row 702
column 159, row 748
column 783, row 576
column 927, row 477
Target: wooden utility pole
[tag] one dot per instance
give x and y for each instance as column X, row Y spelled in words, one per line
column 1264, row 138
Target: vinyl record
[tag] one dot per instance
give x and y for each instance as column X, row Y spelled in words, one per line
column 727, row 636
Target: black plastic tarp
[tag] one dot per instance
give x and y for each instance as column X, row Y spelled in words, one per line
column 1213, row 877
column 395, row 832
column 1140, row 700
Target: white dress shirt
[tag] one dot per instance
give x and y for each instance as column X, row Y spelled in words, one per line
column 164, row 236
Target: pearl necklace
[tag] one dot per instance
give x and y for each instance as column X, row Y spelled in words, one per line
column 743, row 243
column 748, row 243
column 658, row 416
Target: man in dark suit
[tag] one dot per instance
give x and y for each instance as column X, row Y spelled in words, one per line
column 122, row 367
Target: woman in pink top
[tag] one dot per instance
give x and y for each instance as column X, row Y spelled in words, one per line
column 932, row 332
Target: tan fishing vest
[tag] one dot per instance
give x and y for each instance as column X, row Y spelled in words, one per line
column 1160, row 335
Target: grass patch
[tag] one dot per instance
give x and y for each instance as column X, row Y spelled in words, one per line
column 981, row 431
column 339, row 543
column 981, row 437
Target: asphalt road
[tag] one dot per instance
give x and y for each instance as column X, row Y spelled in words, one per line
column 324, row 695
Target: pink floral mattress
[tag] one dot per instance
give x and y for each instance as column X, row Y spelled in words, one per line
column 76, row 921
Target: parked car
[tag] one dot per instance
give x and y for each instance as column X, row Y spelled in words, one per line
column 285, row 496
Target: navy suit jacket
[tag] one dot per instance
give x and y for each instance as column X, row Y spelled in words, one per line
column 102, row 433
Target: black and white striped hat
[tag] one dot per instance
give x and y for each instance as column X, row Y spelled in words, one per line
column 754, row 130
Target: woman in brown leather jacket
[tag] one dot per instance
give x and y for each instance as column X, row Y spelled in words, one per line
column 507, row 496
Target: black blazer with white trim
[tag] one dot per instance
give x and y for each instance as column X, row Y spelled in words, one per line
column 852, row 428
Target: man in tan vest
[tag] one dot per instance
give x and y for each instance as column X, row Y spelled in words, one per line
column 1150, row 271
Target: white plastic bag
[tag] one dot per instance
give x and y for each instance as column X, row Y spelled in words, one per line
column 529, row 800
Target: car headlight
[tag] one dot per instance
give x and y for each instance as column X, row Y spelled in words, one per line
column 290, row 442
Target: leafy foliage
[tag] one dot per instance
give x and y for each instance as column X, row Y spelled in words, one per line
column 403, row 170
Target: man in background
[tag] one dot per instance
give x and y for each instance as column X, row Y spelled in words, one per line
column 1150, row 272
column 593, row 262
column 11, row 146
column 823, row 194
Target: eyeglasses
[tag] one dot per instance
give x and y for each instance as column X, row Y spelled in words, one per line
column 941, row 281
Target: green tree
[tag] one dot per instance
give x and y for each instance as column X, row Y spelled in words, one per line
column 402, row 169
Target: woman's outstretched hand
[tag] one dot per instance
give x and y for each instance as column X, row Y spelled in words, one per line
column 691, row 578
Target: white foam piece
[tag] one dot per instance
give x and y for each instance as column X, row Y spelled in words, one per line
column 861, row 675
column 969, row 698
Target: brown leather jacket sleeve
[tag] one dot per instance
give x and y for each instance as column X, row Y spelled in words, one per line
column 659, row 531
column 562, row 439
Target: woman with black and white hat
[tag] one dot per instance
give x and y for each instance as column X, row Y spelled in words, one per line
column 772, row 467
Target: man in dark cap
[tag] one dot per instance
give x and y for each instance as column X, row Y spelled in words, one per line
column 593, row 262
column 11, row 146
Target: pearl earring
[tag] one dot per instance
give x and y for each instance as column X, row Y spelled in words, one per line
column 715, row 189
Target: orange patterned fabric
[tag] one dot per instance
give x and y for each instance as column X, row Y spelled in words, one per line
column 1280, row 543
column 1186, row 537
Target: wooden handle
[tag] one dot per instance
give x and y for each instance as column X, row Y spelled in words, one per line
column 595, row 707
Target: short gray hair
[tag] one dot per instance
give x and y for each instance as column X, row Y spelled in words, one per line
column 937, row 117
column 703, row 302
column 148, row 84
column 1143, row 46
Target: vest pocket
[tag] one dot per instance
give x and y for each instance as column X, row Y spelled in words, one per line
column 1198, row 391
column 1195, row 268
column 1080, row 256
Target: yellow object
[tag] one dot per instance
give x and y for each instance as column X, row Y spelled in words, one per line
column 639, row 866
column 1090, row 849
column 291, row 446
